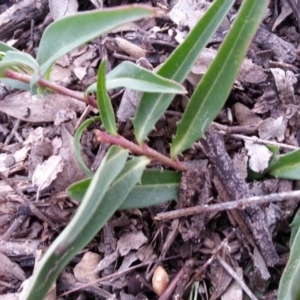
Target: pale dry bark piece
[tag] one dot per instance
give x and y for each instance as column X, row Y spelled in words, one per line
column 36, row 109
column 234, row 290
column 240, row 161
column 130, row 48
column 128, row 105
column 188, row 12
column 71, row 171
column 106, row 261
column 10, row 269
column 62, row 8
column 219, row 278
column 285, row 81
column 201, row 65
column 46, row 173
column 84, row 270
column 282, row 50
column 131, row 241
column 19, row 157
column 61, row 75
column 272, row 128
column 20, row 15
column 63, row 116
column 146, row 252
column 250, row 72
column 128, row 260
column 82, row 63
column 259, row 156
column 245, row 116
column 260, row 265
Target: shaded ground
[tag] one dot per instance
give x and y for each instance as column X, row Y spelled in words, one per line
column 251, row 242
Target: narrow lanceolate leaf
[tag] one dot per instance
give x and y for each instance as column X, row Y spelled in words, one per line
column 156, row 187
column 287, row 166
column 177, row 67
column 77, row 145
column 214, row 88
column 82, row 228
column 295, row 225
column 70, row 32
column 105, row 108
column 78, row 189
column 131, row 76
column 289, row 288
column 15, row 84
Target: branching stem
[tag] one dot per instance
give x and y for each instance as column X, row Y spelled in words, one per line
column 102, row 136
column 141, row 150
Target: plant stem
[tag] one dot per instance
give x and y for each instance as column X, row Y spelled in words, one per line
column 53, row 86
column 142, row 150
column 102, row 136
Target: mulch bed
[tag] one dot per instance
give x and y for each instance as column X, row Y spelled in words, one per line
column 220, row 249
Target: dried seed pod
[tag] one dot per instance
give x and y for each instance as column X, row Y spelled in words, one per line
column 160, row 280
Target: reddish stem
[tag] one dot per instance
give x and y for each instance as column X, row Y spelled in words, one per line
column 102, row 136
column 141, row 150
column 53, row 86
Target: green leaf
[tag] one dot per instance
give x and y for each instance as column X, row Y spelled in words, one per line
column 8, row 65
column 77, row 145
column 21, row 59
column 177, row 67
column 156, row 187
column 289, row 288
column 87, row 221
column 68, row 33
column 194, row 291
column 16, row 84
column 131, row 76
column 105, row 108
column 287, row 166
column 17, row 61
column 4, row 48
column 78, row 189
column 214, row 88
column 295, row 225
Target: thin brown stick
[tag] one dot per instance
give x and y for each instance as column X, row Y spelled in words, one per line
column 245, row 129
column 17, row 223
column 242, row 203
column 258, row 141
column 234, row 275
column 213, row 257
column 114, row 275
